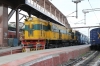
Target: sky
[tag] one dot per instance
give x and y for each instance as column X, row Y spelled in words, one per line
column 67, row 7
column 92, row 18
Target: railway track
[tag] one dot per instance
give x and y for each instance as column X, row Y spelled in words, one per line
column 95, row 61
column 89, row 59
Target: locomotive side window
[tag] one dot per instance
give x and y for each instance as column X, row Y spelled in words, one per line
column 49, row 27
column 32, row 29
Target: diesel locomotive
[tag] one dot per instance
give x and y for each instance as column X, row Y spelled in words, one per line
column 42, row 34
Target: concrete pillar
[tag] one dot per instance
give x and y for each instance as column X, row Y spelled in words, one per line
column 3, row 25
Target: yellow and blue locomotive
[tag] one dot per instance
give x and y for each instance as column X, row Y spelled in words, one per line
column 42, row 34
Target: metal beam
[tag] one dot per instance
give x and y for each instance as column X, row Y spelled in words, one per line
column 10, row 14
column 84, row 27
column 90, row 10
column 21, row 18
column 23, row 15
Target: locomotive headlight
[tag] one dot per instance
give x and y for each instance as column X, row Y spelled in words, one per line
column 30, row 18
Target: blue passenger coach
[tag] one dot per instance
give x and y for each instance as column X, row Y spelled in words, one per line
column 95, row 39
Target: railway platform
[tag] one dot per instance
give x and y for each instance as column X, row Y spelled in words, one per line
column 47, row 57
column 10, row 50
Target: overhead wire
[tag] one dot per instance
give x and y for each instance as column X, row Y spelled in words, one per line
column 93, row 11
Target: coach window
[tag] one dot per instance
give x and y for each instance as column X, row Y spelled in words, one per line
column 10, row 36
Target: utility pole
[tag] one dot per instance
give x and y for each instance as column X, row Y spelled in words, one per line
column 76, row 2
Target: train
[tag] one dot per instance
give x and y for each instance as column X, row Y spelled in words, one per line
column 12, row 32
column 82, row 39
column 41, row 34
column 12, row 40
column 95, row 39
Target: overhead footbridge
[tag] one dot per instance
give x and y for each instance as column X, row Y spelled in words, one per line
column 41, row 8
